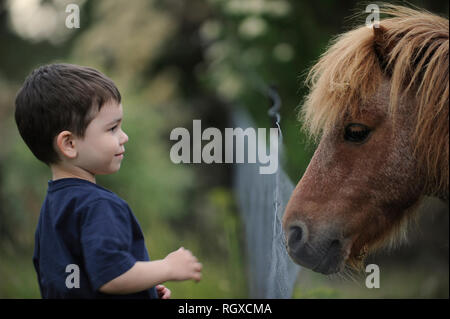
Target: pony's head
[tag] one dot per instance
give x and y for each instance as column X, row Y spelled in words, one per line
column 378, row 105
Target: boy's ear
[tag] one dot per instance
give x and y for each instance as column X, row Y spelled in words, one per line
column 65, row 144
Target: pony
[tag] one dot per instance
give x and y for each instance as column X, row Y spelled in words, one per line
column 378, row 109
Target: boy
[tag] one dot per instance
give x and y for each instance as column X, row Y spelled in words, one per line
column 88, row 244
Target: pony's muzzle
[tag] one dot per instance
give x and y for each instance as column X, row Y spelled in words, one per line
column 321, row 255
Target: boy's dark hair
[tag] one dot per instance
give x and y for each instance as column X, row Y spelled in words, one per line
column 60, row 97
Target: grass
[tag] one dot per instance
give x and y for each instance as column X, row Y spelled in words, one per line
column 17, row 275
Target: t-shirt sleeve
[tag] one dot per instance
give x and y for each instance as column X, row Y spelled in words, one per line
column 105, row 241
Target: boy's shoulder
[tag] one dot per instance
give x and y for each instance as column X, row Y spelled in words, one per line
column 81, row 193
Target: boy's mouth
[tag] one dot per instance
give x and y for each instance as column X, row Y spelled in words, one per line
column 120, row 154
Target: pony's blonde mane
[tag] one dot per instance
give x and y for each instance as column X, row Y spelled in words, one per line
column 416, row 61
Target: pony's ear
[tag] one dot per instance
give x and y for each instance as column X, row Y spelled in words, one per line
column 380, row 45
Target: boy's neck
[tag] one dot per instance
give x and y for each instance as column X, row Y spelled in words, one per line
column 62, row 170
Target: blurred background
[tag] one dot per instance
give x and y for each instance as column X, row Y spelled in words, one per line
column 175, row 61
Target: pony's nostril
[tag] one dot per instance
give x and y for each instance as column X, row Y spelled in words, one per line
column 295, row 237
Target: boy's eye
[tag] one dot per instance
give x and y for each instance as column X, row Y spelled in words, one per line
column 113, row 128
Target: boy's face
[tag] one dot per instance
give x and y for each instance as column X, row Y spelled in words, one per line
column 101, row 150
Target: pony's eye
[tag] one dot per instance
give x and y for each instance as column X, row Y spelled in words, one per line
column 356, row 133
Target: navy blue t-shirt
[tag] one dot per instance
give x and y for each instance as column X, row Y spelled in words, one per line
column 88, row 233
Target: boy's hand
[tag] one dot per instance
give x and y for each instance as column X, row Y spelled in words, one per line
column 183, row 265
column 163, row 292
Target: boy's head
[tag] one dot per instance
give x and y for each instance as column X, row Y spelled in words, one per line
column 70, row 112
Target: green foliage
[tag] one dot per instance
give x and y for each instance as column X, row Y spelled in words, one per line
column 17, row 274
column 252, row 45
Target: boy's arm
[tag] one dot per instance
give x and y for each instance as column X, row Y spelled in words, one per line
column 143, row 275
column 178, row 265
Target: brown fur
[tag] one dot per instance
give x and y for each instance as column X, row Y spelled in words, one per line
column 393, row 79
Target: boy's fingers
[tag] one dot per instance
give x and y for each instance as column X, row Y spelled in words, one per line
column 198, row 267
column 167, row 294
column 197, row 277
column 164, row 293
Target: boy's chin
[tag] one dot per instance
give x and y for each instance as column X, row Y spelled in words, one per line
column 111, row 170
column 114, row 170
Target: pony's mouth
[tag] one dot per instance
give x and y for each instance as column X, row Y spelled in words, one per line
column 332, row 261
column 330, row 264
column 335, row 259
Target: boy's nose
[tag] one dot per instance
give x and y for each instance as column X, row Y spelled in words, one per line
column 124, row 138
